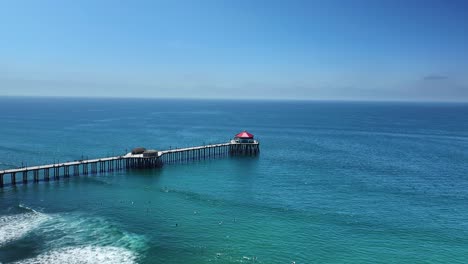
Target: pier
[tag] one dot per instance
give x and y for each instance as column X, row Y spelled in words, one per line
column 242, row 144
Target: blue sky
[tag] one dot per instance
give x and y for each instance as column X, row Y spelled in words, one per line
column 346, row 50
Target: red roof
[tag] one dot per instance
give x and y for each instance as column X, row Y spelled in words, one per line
column 244, row 134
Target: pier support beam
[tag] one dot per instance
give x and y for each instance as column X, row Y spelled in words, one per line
column 36, row 175
column 94, row 168
column 56, row 172
column 13, row 178
column 46, row 174
column 76, row 170
column 25, row 177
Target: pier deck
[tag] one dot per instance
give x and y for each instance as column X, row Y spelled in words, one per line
column 51, row 166
column 129, row 161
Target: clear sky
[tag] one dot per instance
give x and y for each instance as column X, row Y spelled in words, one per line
column 350, row 49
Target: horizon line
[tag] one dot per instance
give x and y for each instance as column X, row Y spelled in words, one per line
column 357, row 100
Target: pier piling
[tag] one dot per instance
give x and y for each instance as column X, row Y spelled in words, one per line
column 25, row 177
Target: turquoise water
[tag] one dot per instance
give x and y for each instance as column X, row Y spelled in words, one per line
column 336, row 182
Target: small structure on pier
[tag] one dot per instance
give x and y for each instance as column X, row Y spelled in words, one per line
column 244, row 137
column 244, row 144
column 150, row 153
column 139, row 150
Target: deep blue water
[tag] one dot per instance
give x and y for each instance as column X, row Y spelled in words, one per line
column 336, row 182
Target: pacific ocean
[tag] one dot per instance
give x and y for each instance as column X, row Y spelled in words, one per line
column 335, row 182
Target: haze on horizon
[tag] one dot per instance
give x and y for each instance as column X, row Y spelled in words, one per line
column 340, row 50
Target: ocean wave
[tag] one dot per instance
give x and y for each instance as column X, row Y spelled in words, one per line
column 72, row 237
column 84, row 254
column 14, row 227
column 79, row 229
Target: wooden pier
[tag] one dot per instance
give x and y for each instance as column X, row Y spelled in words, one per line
column 128, row 161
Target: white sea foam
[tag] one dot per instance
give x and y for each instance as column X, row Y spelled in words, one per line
column 14, row 227
column 85, row 254
column 73, row 237
column 66, row 230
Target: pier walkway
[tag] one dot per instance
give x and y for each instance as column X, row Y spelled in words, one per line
column 128, row 161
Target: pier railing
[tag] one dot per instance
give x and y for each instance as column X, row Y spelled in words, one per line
column 128, row 161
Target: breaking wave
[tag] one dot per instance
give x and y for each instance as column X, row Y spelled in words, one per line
column 14, row 227
column 72, row 237
column 69, row 230
column 85, row 254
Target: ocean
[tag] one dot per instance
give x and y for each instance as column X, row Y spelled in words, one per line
column 335, row 182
